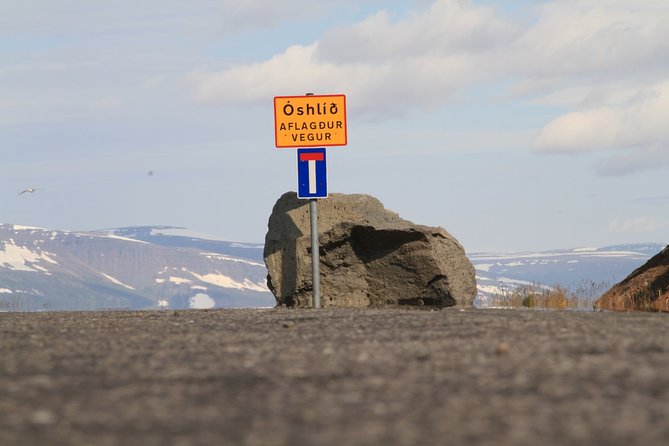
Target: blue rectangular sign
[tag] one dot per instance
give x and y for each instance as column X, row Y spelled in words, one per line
column 311, row 173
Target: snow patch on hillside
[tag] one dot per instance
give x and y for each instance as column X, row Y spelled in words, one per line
column 110, row 234
column 118, row 237
column 183, row 232
column 116, row 281
column 26, row 228
column 20, row 258
column 216, row 256
column 553, row 256
column 612, row 254
column 246, row 245
column 227, row 282
column 201, row 301
column 485, row 267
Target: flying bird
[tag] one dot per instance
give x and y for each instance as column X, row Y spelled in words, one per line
column 29, row 190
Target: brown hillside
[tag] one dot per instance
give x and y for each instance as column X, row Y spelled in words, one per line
column 647, row 288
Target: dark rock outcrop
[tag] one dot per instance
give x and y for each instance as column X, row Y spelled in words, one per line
column 368, row 256
column 647, row 288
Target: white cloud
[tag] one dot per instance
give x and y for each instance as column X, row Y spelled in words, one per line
column 447, row 28
column 639, row 224
column 418, row 61
column 639, row 124
column 577, row 37
column 108, row 103
column 154, row 81
column 166, row 17
column 605, row 64
column 426, row 56
column 262, row 13
column 589, row 96
column 290, row 71
column 623, row 162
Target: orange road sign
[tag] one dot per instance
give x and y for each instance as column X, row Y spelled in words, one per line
column 310, row 121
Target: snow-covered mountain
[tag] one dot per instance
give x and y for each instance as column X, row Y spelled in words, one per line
column 500, row 272
column 143, row 267
column 185, row 238
column 168, row 267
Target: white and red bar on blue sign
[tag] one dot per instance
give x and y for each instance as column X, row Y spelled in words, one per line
column 311, row 173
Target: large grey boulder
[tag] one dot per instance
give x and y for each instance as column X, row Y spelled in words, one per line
column 368, row 256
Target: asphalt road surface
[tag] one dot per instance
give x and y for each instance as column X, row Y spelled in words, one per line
column 392, row 376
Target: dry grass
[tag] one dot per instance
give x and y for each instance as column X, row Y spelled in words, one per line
column 645, row 298
column 537, row 295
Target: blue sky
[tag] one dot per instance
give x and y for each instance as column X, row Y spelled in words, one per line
column 516, row 126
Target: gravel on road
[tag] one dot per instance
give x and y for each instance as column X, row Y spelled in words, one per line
column 385, row 376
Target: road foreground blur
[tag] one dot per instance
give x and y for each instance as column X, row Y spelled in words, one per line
column 391, row 376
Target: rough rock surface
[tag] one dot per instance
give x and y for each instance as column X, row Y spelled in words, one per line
column 647, row 288
column 368, row 256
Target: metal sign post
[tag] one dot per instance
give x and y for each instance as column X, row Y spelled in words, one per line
column 315, row 249
column 315, row 253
